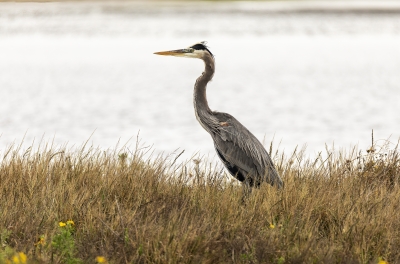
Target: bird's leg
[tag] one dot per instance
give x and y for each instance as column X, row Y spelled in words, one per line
column 246, row 190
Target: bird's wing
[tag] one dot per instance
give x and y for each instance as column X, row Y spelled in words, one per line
column 240, row 149
column 235, row 159
column 233, row 169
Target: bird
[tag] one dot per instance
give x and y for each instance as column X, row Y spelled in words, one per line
column 240, row 151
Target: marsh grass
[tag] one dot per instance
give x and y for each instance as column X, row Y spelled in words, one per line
column 134, row 207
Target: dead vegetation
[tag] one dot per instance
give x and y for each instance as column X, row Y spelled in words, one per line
column 130, row 208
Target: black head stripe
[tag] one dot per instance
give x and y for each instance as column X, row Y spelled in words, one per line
column 200, row 46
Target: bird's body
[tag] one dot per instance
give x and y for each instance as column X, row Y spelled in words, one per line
column 240, row 151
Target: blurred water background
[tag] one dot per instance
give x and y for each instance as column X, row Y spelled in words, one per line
column 311, row 73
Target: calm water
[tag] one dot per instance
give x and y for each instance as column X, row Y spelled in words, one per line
column 315, row 77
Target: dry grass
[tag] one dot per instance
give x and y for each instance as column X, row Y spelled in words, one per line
column 131, row 209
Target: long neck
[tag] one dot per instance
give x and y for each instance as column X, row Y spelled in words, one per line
column 202, row 111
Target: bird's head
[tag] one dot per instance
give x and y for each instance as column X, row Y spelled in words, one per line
column 198, row 51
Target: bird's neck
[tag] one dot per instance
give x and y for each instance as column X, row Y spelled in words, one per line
column 201, row 108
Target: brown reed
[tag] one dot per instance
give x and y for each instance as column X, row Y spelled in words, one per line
column 134, row 207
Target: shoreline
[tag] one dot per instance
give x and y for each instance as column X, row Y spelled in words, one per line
column 300, row 6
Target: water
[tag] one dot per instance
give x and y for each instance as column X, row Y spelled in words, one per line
column 71, row 72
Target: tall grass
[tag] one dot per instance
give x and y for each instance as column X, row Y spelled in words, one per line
column 131, row 207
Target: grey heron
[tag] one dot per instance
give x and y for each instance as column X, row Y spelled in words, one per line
column 239, row 150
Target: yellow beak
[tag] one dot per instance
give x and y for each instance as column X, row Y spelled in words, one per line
column 179, row 52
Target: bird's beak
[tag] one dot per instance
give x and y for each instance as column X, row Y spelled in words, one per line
column 177, row 53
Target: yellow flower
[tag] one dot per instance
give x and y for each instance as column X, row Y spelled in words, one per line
column 272, row 226
column 19, row 258
column 15, row 259
column 61, row 224
column 22, row 257
column 381, row 261
column 101, row 259
column 70, row 222
column 41, row 240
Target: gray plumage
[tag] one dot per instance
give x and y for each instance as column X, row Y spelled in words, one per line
column 240, row 151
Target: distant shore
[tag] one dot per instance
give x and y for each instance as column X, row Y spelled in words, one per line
column 295, row 6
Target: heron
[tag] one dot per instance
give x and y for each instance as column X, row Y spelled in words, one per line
column 239, row 150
